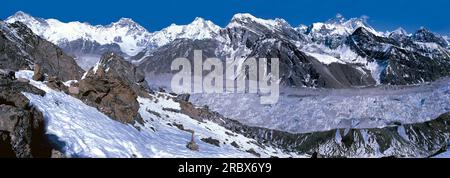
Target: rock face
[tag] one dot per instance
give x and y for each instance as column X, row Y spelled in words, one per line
column 423, row 35
column 299, row 69
column 113, row 86
column 20, row 48
column 405, row 62
column 22, row 133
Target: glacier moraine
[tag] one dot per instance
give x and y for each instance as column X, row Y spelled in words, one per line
column 309, row 110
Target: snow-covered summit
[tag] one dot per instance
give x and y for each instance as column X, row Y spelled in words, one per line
column 130, row 36
column 244, row 19
column 400, row 31
column 341, row 26
column 197, row 29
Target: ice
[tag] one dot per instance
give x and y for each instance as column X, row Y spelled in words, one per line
column 303, row 110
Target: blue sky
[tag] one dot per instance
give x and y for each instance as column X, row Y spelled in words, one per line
column 154, row 15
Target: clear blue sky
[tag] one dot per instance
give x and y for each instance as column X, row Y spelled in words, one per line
column 154, row 15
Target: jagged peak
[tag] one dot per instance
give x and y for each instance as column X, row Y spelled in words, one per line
column 21, row 14
column 362, row 31
column 241, row 19
column 355, row 22
column 127, row 22
column 242, row 16
column 339, row 18
column 399, row 31
column 423, row 29
column 201, row 22
column 23, row 17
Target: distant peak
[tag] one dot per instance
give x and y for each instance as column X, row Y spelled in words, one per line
column 400, row 31
column 126, row 21
column 199, row 19
column 422, row 29
column 243, row 16
column 201, row 22
column 20, row 15
column 339, row 18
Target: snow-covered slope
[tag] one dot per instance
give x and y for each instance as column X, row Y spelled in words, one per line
column 83, row 131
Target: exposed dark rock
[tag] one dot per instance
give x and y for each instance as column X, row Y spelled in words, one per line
column 211, row 141
column 424, row 35
column 20, row 48
column 38, row 74
column 22, row 133
column 192, row 145
column 253, row 152
column 298, row 69
column 160, row 60
column 404, row 62
column 113, row 87
column 183, row 97
column 56, row 84
column 234, row 144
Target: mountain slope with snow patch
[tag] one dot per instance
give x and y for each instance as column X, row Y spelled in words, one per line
column 83, row 131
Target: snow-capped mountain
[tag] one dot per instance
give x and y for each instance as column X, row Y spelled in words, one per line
column 328, row 54
column 198, row 29
column 130, row 36
column 334, row 44
column 111, row 112
column 334, row 31
column 426, row 36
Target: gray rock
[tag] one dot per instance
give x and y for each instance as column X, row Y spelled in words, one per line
column 20, row 48
column 22, row 132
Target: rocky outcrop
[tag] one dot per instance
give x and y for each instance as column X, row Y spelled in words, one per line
column 298, row 69
column 20, row 48
column 22, row 132
column 424, row 35
column 404, row 62
column 112, row 86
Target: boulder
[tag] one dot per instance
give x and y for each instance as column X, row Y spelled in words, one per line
column 38, row 74
column 22, row 132
column 113, row 87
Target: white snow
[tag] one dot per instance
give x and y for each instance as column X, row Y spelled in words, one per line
column 129, row 35
column 198, row 29
column 247, row 18
column 133, row 37
column 86, row 132
column 325, row 59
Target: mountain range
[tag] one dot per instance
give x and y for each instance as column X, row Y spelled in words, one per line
column 77, row 90
column 338, row 53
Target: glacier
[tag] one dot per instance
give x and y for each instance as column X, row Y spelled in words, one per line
column 302, row 110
